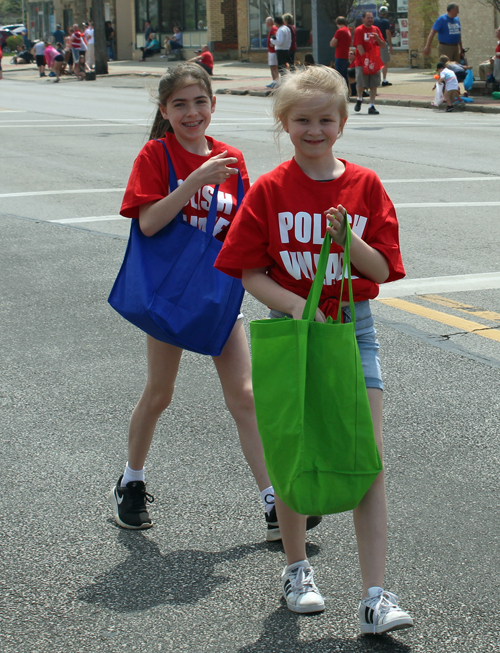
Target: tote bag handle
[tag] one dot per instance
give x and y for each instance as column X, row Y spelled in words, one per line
column 317, row 285
column 212, row 213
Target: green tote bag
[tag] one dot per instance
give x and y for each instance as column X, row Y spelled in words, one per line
column 312, row 406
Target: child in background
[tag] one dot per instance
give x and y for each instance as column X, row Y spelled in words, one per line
column 275, row 228
column 449, row 81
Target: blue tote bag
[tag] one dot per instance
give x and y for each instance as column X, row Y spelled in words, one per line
column 168, row 286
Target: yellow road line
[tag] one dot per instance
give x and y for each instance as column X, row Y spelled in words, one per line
column 457, row 322
column 459, row 306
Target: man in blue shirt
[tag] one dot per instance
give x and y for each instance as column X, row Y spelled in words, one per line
column 449, row 32
column 59, row 35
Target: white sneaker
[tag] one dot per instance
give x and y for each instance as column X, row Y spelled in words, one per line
column 299, row 590
column 380, row 613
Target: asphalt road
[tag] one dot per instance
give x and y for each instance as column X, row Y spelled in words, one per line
column 204, row 579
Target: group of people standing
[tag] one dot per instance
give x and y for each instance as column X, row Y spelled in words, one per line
column 281, row 46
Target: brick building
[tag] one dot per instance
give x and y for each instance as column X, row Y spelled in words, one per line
column 236, row 28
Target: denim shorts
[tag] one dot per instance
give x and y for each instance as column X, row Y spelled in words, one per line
column 367, row 341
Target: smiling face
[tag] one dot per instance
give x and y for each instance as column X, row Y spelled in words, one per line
column 189, row 111
column 314, row 124
column 368, row 19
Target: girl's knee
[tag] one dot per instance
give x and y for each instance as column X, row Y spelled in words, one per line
column 156, row 400
column 240, row 402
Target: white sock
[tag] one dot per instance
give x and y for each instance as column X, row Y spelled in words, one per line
column 360, row 99
column 371, row 105
column 267, row 497
column 132, row 475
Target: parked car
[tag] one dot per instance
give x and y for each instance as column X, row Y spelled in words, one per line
column 15, row 29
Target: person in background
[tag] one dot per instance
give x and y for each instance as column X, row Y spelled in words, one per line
column 76, row 43
column 37, row 52
column 282, row 42
column 351, row 73
column 151, row 48
column 204, row 59
column 80, row 68
column 341, row 41
column 22, row 56
column 110, row 39
column 89, row 37
column 385, row 53
column 492, row 65
column 54, row 60
column 272, row 58
column 174, row 43
column 58, row 35
column 1, row 55
column 449, row 32
column 147, row 30
column 449, row 81
column 289, row 22
column 68, row 52
column 367, row 37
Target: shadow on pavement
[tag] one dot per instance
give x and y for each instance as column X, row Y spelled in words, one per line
column 149, row 578
column 282, row 633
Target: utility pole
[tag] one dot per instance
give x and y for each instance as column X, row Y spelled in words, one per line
column 101, row 59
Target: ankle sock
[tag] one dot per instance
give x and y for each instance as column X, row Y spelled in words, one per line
column 371, row 105
column 132, row 475
column 267, row 497
column 360, row 99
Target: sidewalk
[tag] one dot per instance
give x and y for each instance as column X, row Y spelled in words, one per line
column 410, row 87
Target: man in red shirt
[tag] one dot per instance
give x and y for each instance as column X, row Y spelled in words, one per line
column 341, row 42
column 204, row 59
column 366, row 38
column 272, row 57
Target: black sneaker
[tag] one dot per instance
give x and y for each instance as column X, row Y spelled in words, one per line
column 273, row 528
column 373, row 111
column 448, row 109
column 129, row 505
column 386, row 83
column 365, row 94
column 358, row 105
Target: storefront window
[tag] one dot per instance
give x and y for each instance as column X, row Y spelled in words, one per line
column 259, row 10
column 164, row 15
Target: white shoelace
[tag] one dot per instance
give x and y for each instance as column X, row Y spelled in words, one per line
column 303, row 582
column 381, row 604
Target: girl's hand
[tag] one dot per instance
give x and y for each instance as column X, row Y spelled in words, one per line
column 299, row 309
column 337, row 228
column 216, row 170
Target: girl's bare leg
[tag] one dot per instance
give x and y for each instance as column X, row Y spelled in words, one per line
column 163, row 365
column 235, row 373
column 293, row 532
column 370, row 516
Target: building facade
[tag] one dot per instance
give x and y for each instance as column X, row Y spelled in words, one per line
column 236, row 28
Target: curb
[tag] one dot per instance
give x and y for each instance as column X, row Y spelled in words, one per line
column 420, row 104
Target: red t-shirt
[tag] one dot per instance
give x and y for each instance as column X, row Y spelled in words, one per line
column 344, row 38
column 364, row 36
column 76, row 40
column 284, row 230
column 270, row 34
column 148, row 182
column 497, row 51
column 293, row 30
column 208, row 60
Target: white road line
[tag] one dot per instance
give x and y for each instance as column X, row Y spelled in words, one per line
column 440, row 181
column 429, row 285
column 64, row 192
column 100, row 218
column 86, row 124
column 442, row 205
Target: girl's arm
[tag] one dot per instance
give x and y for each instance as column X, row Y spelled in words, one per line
column 366, row 259
column 270, row 293
column 153, row 216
